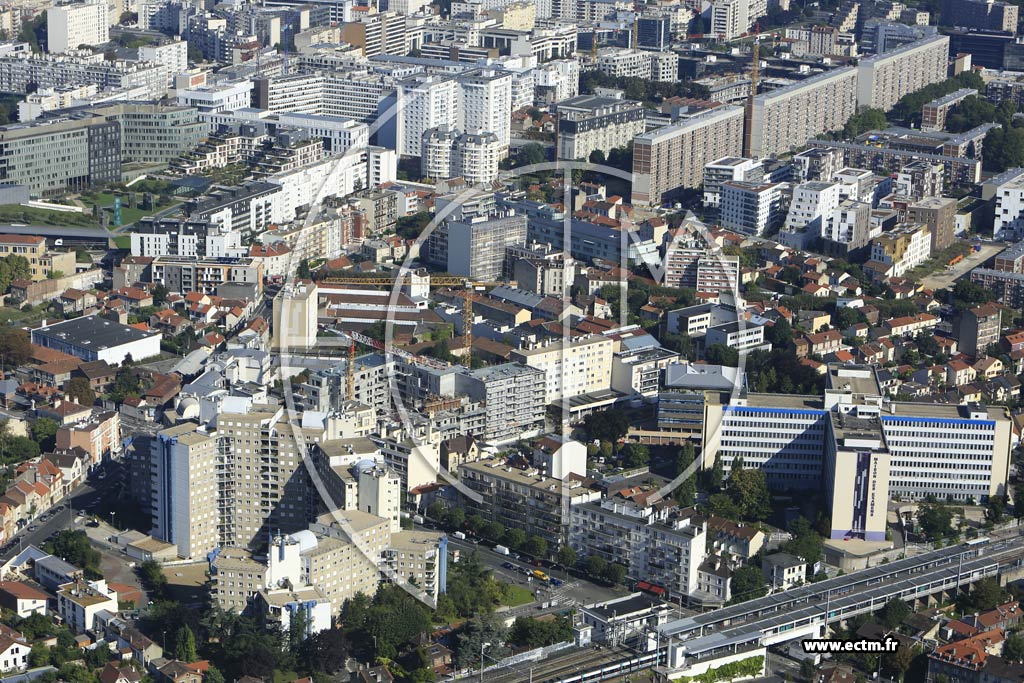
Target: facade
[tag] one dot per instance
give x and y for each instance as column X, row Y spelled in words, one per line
column 902, row 249
column 670, row 159
column 185, row 506
column 79, row 602
column 725, row 169
column 751, row 208
column 934, row 113
column 883, row 79
column 588, row 123
column 525, row 499
column 513, row 396
column 476, row 246
column 70, row 26
column 786, row 118
column 581, row 366
column 960, row 451
column 659, row 544
column 41, row 262
column 939, row 214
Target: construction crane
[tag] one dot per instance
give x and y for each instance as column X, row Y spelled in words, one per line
column 748, row 113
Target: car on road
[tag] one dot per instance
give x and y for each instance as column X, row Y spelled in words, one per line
column 33, row 527
column 508, row 565
column 556, row 582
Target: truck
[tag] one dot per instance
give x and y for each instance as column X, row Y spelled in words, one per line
column 417, row 519
column 459, row 535
column 502, row 550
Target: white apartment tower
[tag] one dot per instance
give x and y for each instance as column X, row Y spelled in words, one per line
column 84, row 23
column 485, row 103
column 424, row 102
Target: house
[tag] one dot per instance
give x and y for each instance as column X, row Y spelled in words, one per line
column 114, row 674
column 13, row 653
column 824, row 343
column 909, row 326
column 714, row 581
column 99, row 373
column 78, row 603
column 176, row 671
column 989, row 367
column 959, row 373
column 75, row 301
column 735, row 538
column 22, row 599
column 65, row 412
column 783, row 571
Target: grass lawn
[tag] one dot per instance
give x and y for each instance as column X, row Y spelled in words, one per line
column 516, row 596
column 123, row 241
column 14, row 213
column 14, row 316
column 128, row 214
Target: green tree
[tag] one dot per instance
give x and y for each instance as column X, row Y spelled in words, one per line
column 720, row 354
column 615, row 573
column 894, row 612
column 635, row 455
column 515, row 538
column 566, row 556
column 595, row 566
column 747, row 583
column 44, row 433
column 935, row 519
column 185, row 645
column 1013, row 648
column 806, row 541
column 15, row 347
column 536, row 546
column 986, row 594
column 153, row 578
column 530, row 154
column 749, row 490
column 606, row 425
column 79, row 390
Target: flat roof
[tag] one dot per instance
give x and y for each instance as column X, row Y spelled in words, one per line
column 94, row 332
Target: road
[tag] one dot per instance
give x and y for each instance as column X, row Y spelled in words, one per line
column 573, row 592
column 945, row 278
column 62, row 516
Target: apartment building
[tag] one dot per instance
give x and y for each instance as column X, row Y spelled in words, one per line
column 985, row 15
column 624, row 62
column 670, row 159
column 41, row 261
column 556, row 81
column 785, row 118
column 449, row 153
column 513, row 396
column 701, row 269
column 61, row 155
column 423, row 102
column 263, row 483
column 726, row 169
column 476, row 246
column 934, row 113
column 813, row 203
column 485, row 100
column 752, row 208
column 185, row 496
column 1009, row 204
column 977, row 328
column 376, row 33
column 205, row 274
column 660, row 544
column 590, row 122
column 901, row 250
column 883, row 79
column 58, row 71
column 572, row 368
column 939, row 214
column 82, row 23
column 79, row 602
column 525, row 499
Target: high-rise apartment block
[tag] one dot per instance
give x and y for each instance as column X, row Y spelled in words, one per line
column 588, row 123
column 576, row 367
column 70, row 26
column 883, row 79
column 786, row 118
column 670, row 159
column 184, row 461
